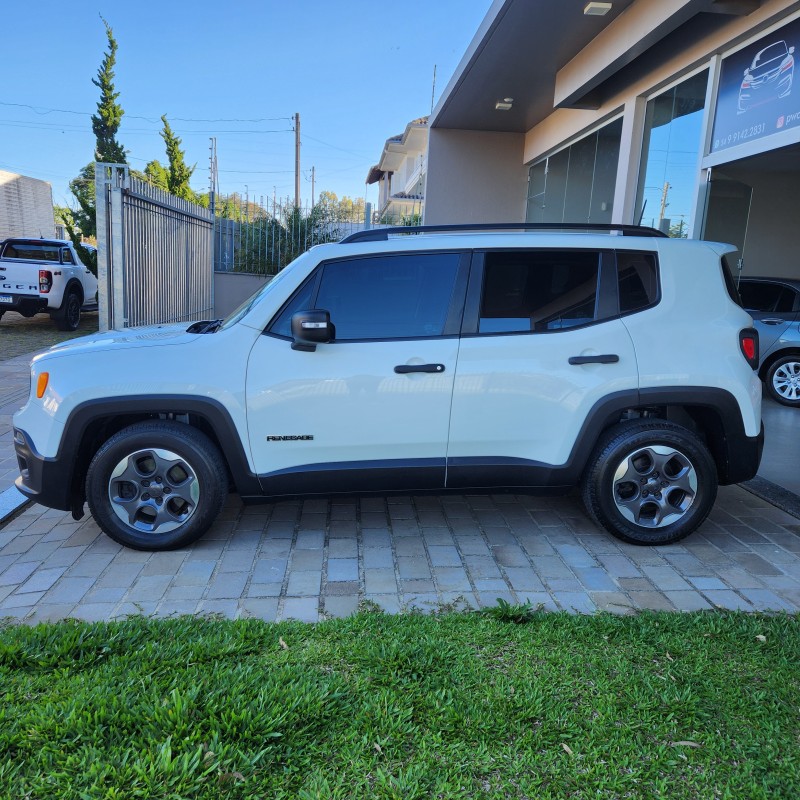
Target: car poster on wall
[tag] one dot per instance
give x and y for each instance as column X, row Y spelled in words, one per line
column 756, row 95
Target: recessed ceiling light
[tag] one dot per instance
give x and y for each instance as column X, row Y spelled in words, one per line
column 594, row 9
column 504, row 104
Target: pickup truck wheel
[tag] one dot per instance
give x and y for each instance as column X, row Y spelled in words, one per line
column 156, row 485
column 650, row 482
column 68, row 317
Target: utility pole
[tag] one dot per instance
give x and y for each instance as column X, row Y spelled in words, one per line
column 212, row 175
column 297, row 160
column 433, row 88
column 312, row 187
column 664, row 203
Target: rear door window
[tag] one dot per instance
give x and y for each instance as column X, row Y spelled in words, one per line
column 532, row 291
column 767, row 297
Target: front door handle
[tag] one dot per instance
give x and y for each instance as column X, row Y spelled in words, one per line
column 404, row 369
column 606, row 358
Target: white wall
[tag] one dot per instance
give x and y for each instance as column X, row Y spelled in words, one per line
column 26, row 207
column 773, row 237
column 475, row 176
column 231, row 289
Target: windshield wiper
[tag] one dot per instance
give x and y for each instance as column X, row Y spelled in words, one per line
column 204, row 326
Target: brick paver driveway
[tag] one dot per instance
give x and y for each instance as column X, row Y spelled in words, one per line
column 315, row 558
column 307, row 559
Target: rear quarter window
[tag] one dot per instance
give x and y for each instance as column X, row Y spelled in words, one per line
column 637, row 280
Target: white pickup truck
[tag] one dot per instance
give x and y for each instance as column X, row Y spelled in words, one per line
column 38, row 275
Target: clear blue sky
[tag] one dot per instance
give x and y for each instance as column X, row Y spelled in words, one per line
column 357, row 71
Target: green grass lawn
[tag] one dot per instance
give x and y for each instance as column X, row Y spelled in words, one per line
column 456, row 705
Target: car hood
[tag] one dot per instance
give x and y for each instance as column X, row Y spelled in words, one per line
column 151, row 336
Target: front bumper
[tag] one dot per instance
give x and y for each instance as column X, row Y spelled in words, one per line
column 47, row 481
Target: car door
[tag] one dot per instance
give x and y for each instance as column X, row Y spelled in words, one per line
column 773, row 306
column 542, row 345
column 370, row 409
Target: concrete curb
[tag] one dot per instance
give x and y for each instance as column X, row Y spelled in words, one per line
column 776, row 495
column 11, row 501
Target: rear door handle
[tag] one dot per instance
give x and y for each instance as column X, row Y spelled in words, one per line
column 404, row 369
column 606, row 358
column 773, row 321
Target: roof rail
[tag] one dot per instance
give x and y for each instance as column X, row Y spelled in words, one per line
column 383, row 234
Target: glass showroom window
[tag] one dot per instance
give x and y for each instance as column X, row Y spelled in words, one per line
column 670, row 150
column 576, row 184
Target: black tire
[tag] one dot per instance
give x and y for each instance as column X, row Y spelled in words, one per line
column 650, row 482
column 783, row 381
column 179, row 485
column 68, row 316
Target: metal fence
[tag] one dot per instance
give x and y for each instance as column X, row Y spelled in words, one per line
column 154, row 253
column 261, row 240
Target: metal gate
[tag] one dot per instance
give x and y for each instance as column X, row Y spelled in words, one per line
column 154, row 253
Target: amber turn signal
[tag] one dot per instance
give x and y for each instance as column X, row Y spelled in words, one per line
column 41, row 384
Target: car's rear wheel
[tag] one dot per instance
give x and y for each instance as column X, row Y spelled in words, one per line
column 68, row 316
column 156, row 485
column 650, row 482
column 783, row 380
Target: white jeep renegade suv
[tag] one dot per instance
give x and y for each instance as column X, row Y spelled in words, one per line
column 458, row 359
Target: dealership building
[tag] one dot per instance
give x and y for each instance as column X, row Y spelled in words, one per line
column 679, row 114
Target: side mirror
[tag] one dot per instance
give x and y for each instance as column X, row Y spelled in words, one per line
column 310, row 328
column 791, row 50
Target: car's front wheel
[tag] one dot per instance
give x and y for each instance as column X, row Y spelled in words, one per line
column 650, row 482
column 783, row 380
column 156, row 485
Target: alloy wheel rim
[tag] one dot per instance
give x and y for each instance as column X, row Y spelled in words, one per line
column 654, row 486
column 786, row 380
column 153, row 491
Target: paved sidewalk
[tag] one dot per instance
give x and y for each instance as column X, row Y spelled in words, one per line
column 310, row 559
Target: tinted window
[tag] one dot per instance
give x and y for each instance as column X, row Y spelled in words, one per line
column 638, row 280
column 758, row 296
column 390, row 296
column 538, row 291
column 302, row 301
column 33, row 252
column 66, row 256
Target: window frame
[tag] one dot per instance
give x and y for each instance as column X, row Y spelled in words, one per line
column 453, row 318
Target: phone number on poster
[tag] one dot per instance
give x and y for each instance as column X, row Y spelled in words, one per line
column 741, row 135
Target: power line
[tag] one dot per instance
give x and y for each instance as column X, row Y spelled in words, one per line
column 42, row 110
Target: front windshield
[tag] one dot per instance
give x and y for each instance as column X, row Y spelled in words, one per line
column 777, row 50
column 253, row 300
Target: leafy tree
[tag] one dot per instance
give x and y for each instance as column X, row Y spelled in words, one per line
column 157, row 175
column 344, row 210
column 179, row 173
column 106, row 122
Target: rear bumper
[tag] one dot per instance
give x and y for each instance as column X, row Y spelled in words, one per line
column 46, row 481
column 25, row 304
